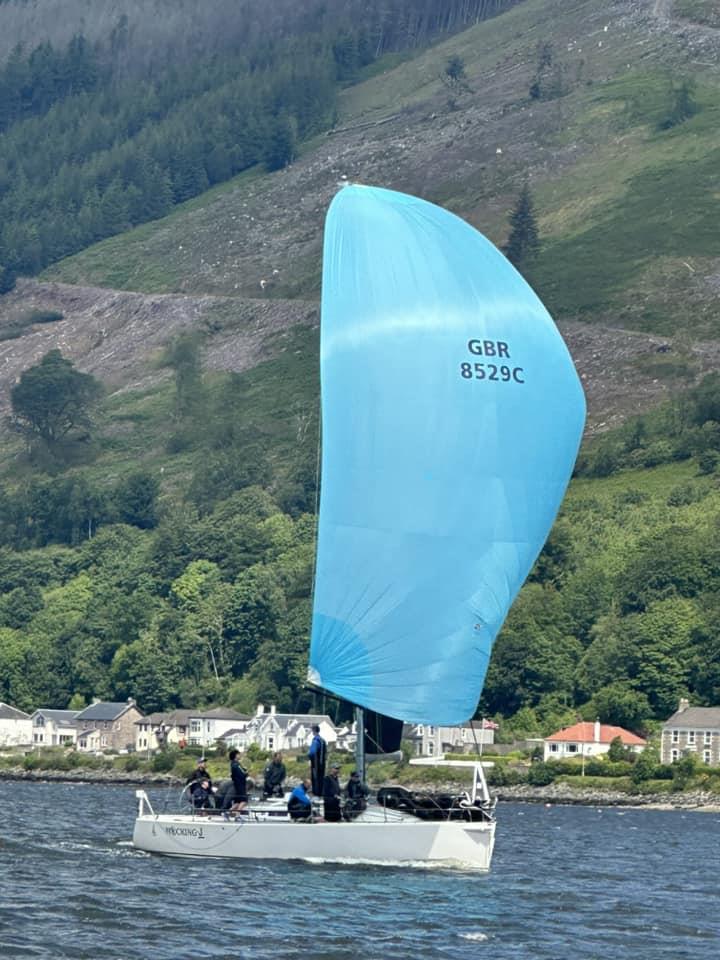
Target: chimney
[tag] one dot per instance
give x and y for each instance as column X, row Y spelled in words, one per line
column 272, row 709
column 260, row 710
column 683, row 705
column 597, row 731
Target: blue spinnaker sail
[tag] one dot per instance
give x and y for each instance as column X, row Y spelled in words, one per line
column 451, row 419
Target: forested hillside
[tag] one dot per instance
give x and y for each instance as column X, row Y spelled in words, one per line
column 159, row 478
column 106, row 131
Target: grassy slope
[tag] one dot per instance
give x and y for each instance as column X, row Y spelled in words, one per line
column 628, row 214
column 622, row 207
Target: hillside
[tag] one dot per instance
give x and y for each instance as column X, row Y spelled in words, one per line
column 172, row 558
column 603, row 178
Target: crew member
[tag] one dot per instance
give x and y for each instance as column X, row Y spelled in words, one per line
column 300, row 805
column 317, row 754
column 331, row 795
column 273, row 777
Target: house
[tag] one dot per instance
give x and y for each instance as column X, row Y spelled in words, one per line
column 54, row 728
column 692, row 730
column 587, row 739
column 15, row 727
column 158, row 729
column 428, row 740
column 107, row 726
column 271, row 730
column 206, row 727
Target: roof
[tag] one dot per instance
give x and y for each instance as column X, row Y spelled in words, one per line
column 105, row 710
column 176, row 718
column 288, row 720
column 695, row 718
column 12, row 713
column 217, row 713
column 61, row 718
column 585, row 733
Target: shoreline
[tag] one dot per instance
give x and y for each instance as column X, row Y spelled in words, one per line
column 553, row 794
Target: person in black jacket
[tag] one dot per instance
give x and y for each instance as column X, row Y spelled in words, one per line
column 202, row 795
column 273, row 777
column 236, row 800
column 357, row 794
column 317, row 754
column 199, row 774
column 331, row 795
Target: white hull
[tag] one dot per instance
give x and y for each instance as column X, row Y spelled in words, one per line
column 373, row 839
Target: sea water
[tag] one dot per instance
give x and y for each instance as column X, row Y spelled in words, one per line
column 567, row 883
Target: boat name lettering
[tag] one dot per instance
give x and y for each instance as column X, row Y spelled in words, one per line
column 185, row 832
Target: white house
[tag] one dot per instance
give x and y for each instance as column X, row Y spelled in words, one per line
column 428, row 740
column 587, row 739
column 280, row 731
column 206, row 727
column 54, row 728
column 15, row 727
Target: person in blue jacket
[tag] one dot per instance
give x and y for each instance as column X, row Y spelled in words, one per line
column 300, row 804
column 317, row 754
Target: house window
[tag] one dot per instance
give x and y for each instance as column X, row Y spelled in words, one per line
column 691, row 737
column 572, row 748
column 431, row 731
column 706, row 756
column 431, row 747
column 676, row 736
column 708, row 738
column 195, row 726
column 103, row 741
column 553, row 748
column 271, row 743
column 420, row 730
column 39, row 721
column 674, row 755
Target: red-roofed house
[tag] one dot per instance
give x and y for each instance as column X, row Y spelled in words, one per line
column 588, row 740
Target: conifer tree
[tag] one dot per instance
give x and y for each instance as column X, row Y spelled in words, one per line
column 523, row 243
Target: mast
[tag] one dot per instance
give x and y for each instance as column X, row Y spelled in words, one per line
column 360, row 742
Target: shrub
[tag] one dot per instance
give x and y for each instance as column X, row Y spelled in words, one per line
column 164, row 760
column 540, row 774
column 32, row 761
column 45, row 316
column 708, row 461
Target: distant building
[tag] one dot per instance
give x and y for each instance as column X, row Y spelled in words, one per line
column 271, row 730
column 15, row 727
column 107, row 726
column 199, row 728
column 428, row 740
column 156, row 729
column 54, row 728
column 692, row 730
column 587, row 739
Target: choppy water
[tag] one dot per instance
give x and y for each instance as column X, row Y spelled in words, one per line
column 567, row 883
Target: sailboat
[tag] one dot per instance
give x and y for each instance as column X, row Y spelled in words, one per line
column 451, row 419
